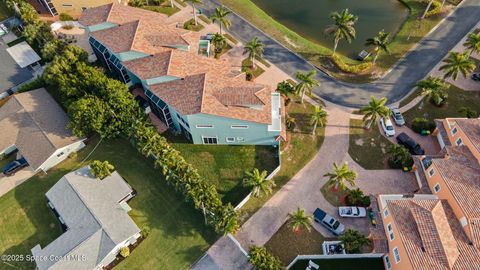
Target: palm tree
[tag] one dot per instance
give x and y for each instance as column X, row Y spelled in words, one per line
column 193, row 3
column 434, row 89
column 473, row 43
column 340, row 176
column 380, row 42
column 457, row 63
column 254, row 49
column 318, row 118
column 298, row 219
column 306, row 83
column 376, row 108
column 220, row 16
column 343, row 28
column 354, row 197
column 258, row 182
column 219, row 41
column 285, row 89
column 399, row 155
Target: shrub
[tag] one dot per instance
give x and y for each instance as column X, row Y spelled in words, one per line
column 32, row 85
column 73, row 155
column 145, row 231
column 101, row 169
column 356, row 197
column 435, row 8
column 65, row 17
column 249, row 75
column 354, row 241
column 262, row 259
column 350, row 68
column 420, row 124
column 125, row 252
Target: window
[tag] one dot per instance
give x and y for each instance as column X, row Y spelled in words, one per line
column 239, row 126
column 67, row 5
column 210, row 140
column 385, row 213
column 437, row 187
column 454, row 131
column 387, row 262
column 459, row 141
column 84, row 8
column 390, row 231
column 61, row 154
column 396, row 254
column 230, row 139
column 240, row 139
column 431, row 172
column 204, row 126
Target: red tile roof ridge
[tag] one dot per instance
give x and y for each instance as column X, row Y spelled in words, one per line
column 137, row 22
column 109, row 10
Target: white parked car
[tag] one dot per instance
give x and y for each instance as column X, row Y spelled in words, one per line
column 352, row 211
column 387, row 127
column 398, row 117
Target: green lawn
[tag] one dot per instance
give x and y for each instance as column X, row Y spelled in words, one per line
column 334, row 197
column 190, row 25
column 164, row 9
column 177, row 238
column 4, row 11
column 225, row 165
column 367, row 147
column 247, row 66
column 296, row 153
column 286, row 244
column 457, row 98
column 343, row 264
column 410, row 33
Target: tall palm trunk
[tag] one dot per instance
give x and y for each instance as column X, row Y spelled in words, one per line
column 426, row 10
column 252, row 58
column 171, row 3
column 194, row 14
column 376, row 56
column 220, row 27
column 443, row 3
column 315, row 128
column 335, row 45
column 303, row 95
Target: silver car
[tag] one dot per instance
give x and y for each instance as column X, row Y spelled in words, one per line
column 398, row 117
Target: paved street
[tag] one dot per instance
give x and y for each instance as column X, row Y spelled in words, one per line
column 395, row 84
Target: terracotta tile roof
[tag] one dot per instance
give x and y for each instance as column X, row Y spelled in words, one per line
column 118, row 14
column 461, row 173
column 432, row 236
column 175, row 63
column 210, row 94
column 471, row 128
column 35, row 124
column 143, row 36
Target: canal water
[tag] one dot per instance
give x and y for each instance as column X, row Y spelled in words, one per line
column 309, row 18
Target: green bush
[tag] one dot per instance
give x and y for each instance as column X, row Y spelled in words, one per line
column 125, row 252
column 435, row 8
column 65, row 17
column 262, row 259
column 350, row 68
column 356, row 197
column 420, row 124
column 35, row 84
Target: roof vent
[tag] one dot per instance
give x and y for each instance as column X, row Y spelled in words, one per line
column 423, row 249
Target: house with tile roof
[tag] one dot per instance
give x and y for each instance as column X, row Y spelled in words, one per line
column 206, row 100
column 72, row 8
column 455, row 177
column 94, row 216
column 423, row 233
column 459, row 131
column 35, row 125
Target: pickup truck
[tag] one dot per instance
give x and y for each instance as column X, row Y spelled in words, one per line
column 14, row 166
column 328, row 221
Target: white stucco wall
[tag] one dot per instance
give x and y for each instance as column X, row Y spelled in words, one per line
column 58, row 157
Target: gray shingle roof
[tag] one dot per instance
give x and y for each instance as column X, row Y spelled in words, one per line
column 96, row 222
column 35, row 124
